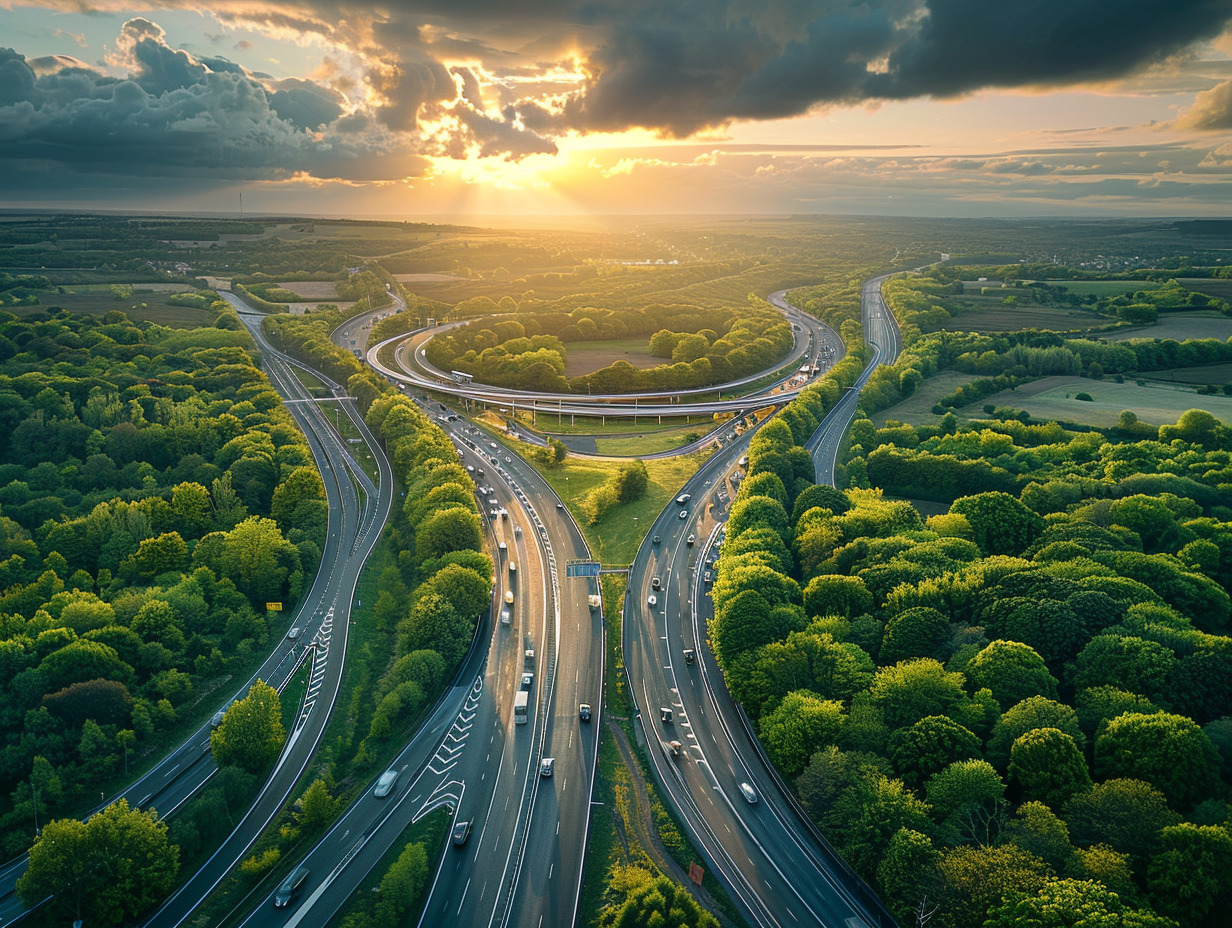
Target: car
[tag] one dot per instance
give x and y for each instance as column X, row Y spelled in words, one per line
column 656, row 539
column 385, row 785
column 470, row 468
column 504, row 513
column 502, row 547
column 294, row 633
column 656, row 583
column 750, row 794
column 689, row 655
column 684, row 498
column 290, row 886
column 684, row 513
column 508, row 597
column 517, row 530
column 707, row 578
column 506, row 617
column 689, row 541
column 652, row 600
column 673, row 748
column 560, row 505
column 584, row 712
column 493, row 514
column 494, row 503
column 665, row 714
column 513, row 567
column 461, row 831
column 220, row 714
column 508, row 460
column 546, row 766
column 528, row 680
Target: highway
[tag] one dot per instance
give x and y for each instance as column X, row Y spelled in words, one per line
column 523, row 861
column 815, row 343
column 777, row 867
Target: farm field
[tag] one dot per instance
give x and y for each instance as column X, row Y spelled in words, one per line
column 1198, row 374
column 994, row 316
column 312, row 290
column 586, row 357
column 1219, row 288
column 917, row 410
column 1154, row 403
column 101, row 301
column 1103, row 288
column 1180, row 326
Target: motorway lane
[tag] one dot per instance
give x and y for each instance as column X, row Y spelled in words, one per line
column 499, row 769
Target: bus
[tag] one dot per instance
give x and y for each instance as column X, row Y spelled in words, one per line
column 519, row 706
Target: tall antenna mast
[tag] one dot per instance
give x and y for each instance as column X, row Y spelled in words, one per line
column 241, row 206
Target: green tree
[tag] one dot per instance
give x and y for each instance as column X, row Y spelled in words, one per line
column 1169, row 751
column 1048, row 765
column 317, row 806
column 928, row 747
column 467, row 591
column 402, row 885
column 112, row 867
column 1192, row 873
column 1036, row 828
column 1071, row 904
column 912, row 690
column 968, row 799
column 434, row 623
column 802, row 724
column 447, row 530
column 908, row 876
column 1032, row 713
column 251, row 734
column 1012, row 671
column 302, row 485
column 834, row 594
column 1127, row 815
column 640, row 897
column 917, row 632
column 1000, row 524
column 868, row 814
column 978, row 878
column 1128, row 663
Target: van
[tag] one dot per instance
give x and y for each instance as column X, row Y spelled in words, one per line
column 290, row 886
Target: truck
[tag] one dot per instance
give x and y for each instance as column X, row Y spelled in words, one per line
column 520, row 700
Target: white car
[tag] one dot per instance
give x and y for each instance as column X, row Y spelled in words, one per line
column 750, row 794
column 652, row 600
column 684, row 513
column 546, row 766
column 385, row 785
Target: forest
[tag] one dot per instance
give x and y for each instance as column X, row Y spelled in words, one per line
column 154, row 496
column 705, row 346
column 1017, row 706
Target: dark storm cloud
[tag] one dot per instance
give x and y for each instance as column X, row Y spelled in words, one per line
column 682, row 66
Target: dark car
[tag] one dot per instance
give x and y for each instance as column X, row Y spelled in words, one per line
column 584, row 712
column 461, row 831
column 290, row 886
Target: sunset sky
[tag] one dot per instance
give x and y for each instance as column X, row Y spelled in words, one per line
column 592, row 107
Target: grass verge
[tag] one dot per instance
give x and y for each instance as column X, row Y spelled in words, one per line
column 619, row 820
column 430, row 831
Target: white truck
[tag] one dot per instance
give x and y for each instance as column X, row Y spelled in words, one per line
column 520, row 702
